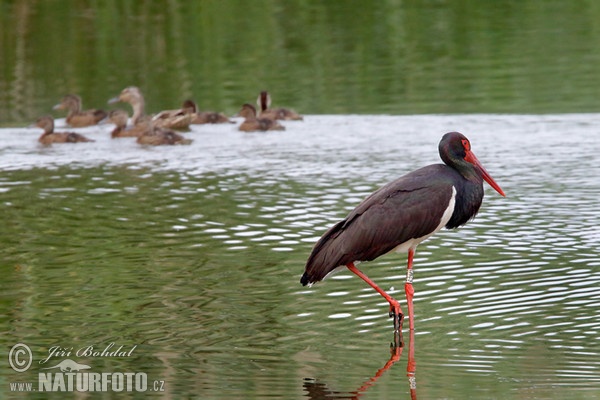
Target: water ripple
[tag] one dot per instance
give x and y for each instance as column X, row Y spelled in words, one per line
column 198, row 251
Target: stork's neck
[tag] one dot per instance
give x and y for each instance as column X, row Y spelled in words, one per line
column 469, row 195
column 469, row 173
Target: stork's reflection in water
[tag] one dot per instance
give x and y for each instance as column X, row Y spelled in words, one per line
column 318, row 390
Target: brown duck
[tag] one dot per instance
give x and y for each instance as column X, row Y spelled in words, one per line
column 49, row 136
column 146, row 133
column 120, row 118
column 264, row 102
column 204, row 117
column 157, row 136
column 171, row 119
column 77, row 118
column 252, row 124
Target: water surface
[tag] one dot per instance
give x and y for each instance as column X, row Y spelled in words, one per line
column 318, row 57
column 194, row 254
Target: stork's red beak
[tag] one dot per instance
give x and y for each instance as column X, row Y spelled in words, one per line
column 470, row 157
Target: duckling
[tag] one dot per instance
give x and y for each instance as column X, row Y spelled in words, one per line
column 204, row 117
column 252, row 123
column 75, row 117
column 157, row 136
column 49, row 136
column 174, row 119
column 264, row 102
column 119, row 118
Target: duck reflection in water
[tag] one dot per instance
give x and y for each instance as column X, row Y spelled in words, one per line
column 318, row 390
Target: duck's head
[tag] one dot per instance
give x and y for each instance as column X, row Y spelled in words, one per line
column 69, row 102
column 131, row 95
column 247, row 111
column 189, row 106
column 118, row 117
column 45, row 122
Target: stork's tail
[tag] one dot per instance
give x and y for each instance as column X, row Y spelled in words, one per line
column 305, row 280
column 325, row 257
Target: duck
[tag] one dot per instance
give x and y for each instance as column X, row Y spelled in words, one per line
column 251, row 123
column 171, row 119
column 133, row 96
column 46, row 122
column 77, row 118
column 119, row 118
column 264, row 102
column 204, row 117
column 146, row 133
column 157, row 136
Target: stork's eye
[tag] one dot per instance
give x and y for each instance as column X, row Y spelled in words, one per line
column 466, row 144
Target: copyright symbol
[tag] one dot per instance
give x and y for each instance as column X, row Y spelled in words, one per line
column 20, row 357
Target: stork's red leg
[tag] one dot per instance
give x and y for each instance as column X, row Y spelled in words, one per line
column 409, row 290
column 395, row 310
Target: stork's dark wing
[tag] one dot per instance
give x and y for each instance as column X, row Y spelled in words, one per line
column 407, row 208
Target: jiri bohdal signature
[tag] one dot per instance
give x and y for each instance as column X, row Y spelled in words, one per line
column 109, row 350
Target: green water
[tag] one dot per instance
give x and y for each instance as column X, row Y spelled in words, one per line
column 191, row 255
column 318, row 57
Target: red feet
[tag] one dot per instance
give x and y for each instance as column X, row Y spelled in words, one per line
column 396, row 313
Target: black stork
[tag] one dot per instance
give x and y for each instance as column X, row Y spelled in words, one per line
column 402, row 214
